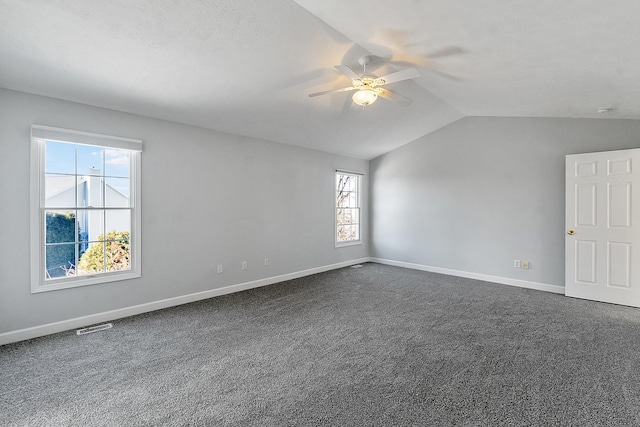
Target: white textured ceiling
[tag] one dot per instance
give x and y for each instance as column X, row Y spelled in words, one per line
column 246, row 67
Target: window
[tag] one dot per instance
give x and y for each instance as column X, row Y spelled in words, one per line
column 85, row 208
column 347, row 208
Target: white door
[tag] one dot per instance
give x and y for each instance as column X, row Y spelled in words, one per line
column 602, row 245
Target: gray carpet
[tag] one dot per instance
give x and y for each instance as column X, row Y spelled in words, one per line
column 375, row 346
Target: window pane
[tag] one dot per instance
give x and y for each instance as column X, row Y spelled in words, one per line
column 91, row 224
column 340, row 184
column 91, row 190
column 117, row 192
column 353, row 235
column 347, row 216
column 118, row 255
column 117, row 163
column 60, row 261
column 347, row 186
column 60, row 157
column 355, row 216
column 89, row 160
column 353, row 199
column 118, row 224
column 346, row 233
column 60, row 226
column 82, row 190
column 342, row 200
column 59, row 191
column 92, row 260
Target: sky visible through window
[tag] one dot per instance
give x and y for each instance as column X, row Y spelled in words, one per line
column 112, row 163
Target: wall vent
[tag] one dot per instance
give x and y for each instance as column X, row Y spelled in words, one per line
column 92, row 329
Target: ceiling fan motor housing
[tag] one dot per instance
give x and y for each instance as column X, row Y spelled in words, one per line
column 365, row 97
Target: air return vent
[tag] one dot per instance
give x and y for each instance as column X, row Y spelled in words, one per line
column 92, row 329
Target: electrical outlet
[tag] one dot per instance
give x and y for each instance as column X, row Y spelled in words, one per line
column 244, row 265
column 220, row 269
column 266, row 262
column 525, row 265
column 516, row 263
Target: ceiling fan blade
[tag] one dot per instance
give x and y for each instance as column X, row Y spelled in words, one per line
column 326, row 92
column 406, row 74
column 348, row 72
column 392, row 96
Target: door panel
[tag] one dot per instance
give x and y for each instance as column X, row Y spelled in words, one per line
column 619, row 260
column 586, row 209
column 586, row 169
column 619, row 167
column 603, row 238
column 619, row 202
column 586, row 261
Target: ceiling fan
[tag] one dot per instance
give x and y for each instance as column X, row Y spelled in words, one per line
column 369, row 87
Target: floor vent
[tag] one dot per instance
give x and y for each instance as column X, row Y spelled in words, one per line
column 92, row 329
column 356, row 266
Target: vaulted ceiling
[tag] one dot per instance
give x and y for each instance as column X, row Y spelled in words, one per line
column 246, row 66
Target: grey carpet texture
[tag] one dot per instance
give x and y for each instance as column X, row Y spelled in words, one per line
column 373, row 346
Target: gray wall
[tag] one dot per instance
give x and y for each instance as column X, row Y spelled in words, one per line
column 483, row 191
column 208, row 198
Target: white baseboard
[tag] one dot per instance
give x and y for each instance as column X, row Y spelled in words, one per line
column 80, row 322
column 485, row 277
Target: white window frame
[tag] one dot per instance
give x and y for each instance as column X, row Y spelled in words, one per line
column 39, row 135
column 360, row 177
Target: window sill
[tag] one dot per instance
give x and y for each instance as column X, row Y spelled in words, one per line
column 82, row 281
column 352, row 243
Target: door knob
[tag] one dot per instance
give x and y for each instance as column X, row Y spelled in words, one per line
column 571, row 232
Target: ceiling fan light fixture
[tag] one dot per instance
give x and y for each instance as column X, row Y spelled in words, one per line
column 365, row 97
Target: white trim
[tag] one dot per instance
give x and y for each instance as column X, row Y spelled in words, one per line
column 87, row 138
column 39, row 136
column 80, row 322
column 36, row 198
column 347, row 172
column 348, row 243
column 478, row 276
column 92, row 279
column 360, row 177
column 135, row 251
